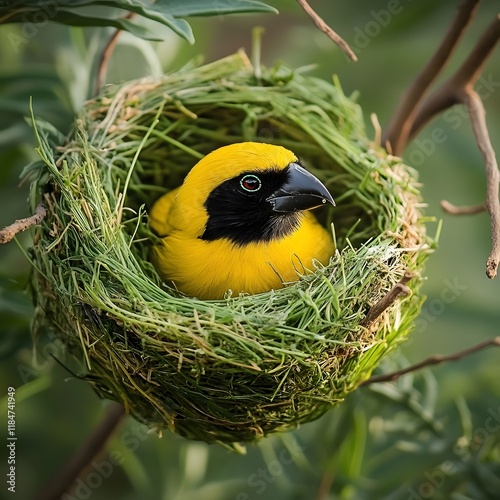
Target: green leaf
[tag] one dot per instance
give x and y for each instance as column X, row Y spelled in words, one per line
column 194, row 8
column 166, row 12
column 72, row 19
column 179, row 26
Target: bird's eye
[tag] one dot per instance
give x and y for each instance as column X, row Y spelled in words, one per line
column 250, row 183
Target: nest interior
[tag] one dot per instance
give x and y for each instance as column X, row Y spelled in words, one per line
column 232, row 370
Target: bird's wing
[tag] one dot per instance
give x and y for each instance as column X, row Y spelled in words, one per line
column 159, row 213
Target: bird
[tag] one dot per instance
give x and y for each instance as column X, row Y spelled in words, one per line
column 240, row 223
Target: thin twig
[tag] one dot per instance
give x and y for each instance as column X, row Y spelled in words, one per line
column 102, row 69
column 398, row 290
column 470, row 210
column 399, row 129
column 477, row 115
column 321, row 25
column 436, row 359
column 65, row 478
column 8, row 232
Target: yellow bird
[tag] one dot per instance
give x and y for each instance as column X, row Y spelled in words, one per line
column 239, row 222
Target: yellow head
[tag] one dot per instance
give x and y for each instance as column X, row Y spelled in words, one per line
column 244, row 191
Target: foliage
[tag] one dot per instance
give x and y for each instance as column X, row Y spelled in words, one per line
column 95, row 13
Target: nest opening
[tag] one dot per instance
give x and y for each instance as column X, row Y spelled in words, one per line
column 241, row 368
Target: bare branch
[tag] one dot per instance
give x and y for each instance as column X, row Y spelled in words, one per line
column 320, row 24
column 436, row 359
column 64, row 480
column 400, row 125
column 398, row 290
column 451, row 92
column 8, row 232
column 102, row 69
column 477, row 115
column 460, row 89
column 471, row 69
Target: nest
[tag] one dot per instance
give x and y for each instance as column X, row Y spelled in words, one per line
column 237, row 369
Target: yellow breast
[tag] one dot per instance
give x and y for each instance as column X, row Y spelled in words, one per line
column 208, row 269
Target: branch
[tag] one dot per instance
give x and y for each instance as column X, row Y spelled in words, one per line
column 477, row 115
column 106, row 56
column 320, row 24
column 436, row 359
column 460, row 89
column 64, row 480
column 398, row 290
column 8, row 232
column 454, row 210
column 452, row 91
column 399, row 129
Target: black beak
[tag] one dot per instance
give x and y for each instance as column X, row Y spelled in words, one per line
column 301, row 191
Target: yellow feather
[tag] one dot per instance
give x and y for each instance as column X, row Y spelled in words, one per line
column 208, row 269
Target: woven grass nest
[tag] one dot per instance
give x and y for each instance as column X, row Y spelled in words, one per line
column 237, row 369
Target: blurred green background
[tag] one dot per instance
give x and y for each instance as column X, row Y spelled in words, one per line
column 432, row 435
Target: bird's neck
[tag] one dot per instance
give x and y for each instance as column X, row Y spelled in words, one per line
column 249, row 227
